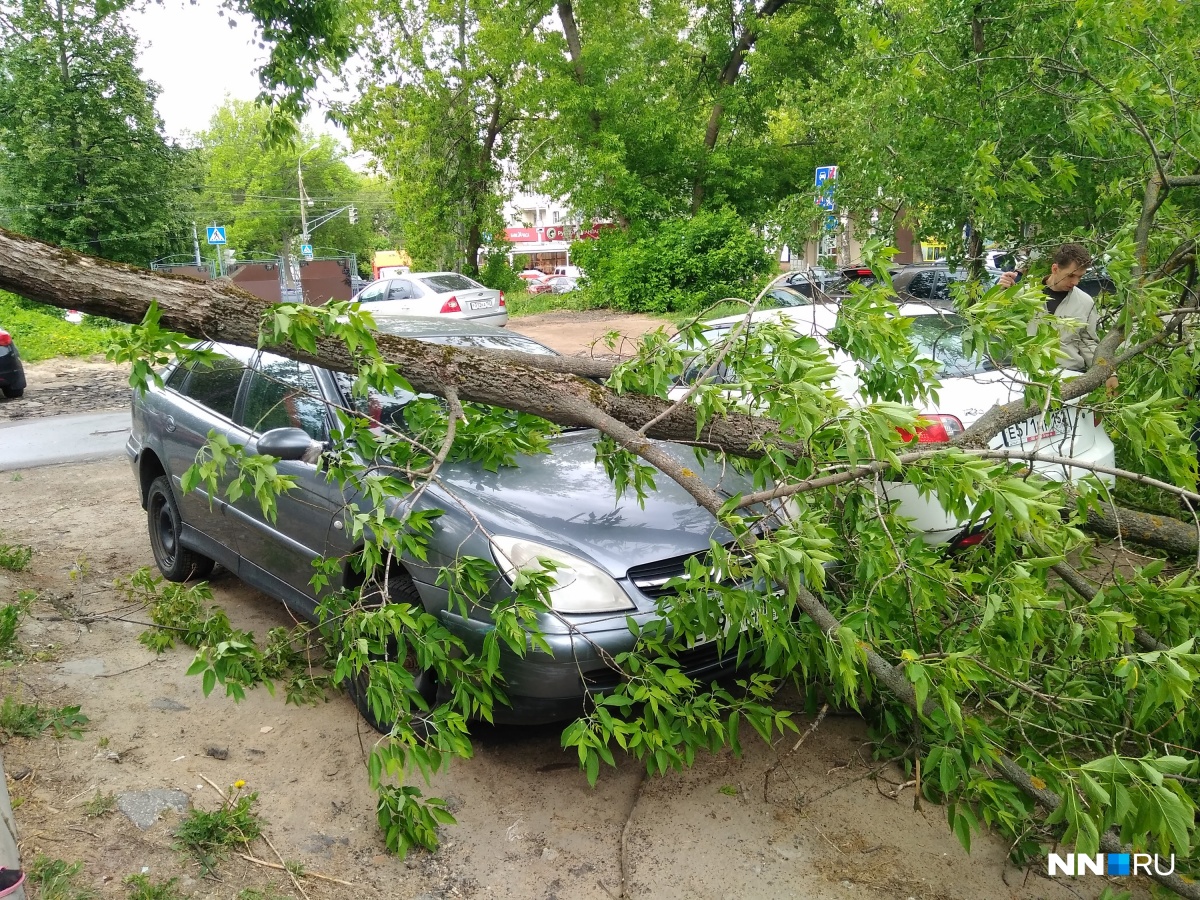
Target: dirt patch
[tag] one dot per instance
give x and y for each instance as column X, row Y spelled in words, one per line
column 580, row 333
column 59, row 387
column 819, row 826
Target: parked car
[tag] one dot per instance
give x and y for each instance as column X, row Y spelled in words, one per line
column 539, row 286
column 784, row 295
column 615, row 556
column 931, row 282
column 572, row 271
column 12, row 372
column 532, row 274
column 832, row 284
column 562, row 284
column 969, row 388
column 812, row 280
column 434, row 294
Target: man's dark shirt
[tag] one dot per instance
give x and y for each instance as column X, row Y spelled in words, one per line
column 1053, row 298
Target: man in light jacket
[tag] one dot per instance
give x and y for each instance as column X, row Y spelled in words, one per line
column 1065, row 299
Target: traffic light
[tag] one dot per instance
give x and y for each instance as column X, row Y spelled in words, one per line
column 353, row 215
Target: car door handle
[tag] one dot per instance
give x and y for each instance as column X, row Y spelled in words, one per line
column 170, row 423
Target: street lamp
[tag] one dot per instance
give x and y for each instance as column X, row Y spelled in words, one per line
column 303, row 199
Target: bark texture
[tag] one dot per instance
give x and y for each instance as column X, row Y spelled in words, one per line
column 219, row 312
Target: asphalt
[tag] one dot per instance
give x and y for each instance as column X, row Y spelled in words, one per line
column 28, row 443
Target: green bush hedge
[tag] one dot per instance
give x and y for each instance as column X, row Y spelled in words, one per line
column 680, row 265
column 497, row 274
column 41, row 332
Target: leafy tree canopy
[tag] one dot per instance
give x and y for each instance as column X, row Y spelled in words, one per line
column 83, row 162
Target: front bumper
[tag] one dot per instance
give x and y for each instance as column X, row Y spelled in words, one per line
column 550, row 687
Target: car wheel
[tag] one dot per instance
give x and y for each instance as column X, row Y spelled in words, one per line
column 400, row 589
column 12, row 393
column 176, row 562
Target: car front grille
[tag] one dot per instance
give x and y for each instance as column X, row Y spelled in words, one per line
column 695, row 662
column 651, row 578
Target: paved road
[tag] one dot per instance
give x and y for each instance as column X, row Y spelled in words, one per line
column 27, row 443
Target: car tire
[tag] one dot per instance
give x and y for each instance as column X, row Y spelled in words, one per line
column 13, row 393
column 400, row 589
column 175, row 561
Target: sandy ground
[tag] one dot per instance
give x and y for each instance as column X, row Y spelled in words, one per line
column 824, row 821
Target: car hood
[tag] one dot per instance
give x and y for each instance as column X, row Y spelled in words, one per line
column 564, row 499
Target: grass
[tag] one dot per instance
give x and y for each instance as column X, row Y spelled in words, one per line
column 10, row 618
column 40, row 332
column 19, row 719
column 55, row 879
column 523, row 304
column 142, row 888
column 206, row 835
column 100, row 805
column 15, row 557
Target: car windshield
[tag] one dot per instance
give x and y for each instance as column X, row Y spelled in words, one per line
column 940, row 338
column 388, row 410
column 449, row 282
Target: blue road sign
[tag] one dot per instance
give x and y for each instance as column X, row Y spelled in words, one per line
column 825, row 180
column 216, row 234
column 831, row 223
column 306, row 251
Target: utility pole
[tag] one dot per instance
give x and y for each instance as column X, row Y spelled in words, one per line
column 196, row 244
column 303, row 198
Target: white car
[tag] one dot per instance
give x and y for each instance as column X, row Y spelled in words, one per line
column 435, row 294
column 969, row 388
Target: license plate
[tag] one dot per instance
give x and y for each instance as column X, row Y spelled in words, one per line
column 480, row 304
column 1058, row 425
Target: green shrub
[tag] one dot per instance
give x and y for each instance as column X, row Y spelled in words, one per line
column 679, row 265
column 41, row 332
column 497, row 274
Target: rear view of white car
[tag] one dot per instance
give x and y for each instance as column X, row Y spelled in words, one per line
column 435, row 294
column 969, row 388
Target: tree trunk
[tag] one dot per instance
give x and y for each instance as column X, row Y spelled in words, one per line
column 729, row 76
column 543, row 386
column 1164, row 532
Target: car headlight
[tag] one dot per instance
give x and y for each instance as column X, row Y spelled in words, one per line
column 581, row 587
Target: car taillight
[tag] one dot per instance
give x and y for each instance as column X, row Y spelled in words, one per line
column 502, row 299
column 861, row 272
column 451, row 305
column 937, row 428
column 970, row 540
column 5, row 338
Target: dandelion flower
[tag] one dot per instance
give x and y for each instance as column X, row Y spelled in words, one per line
column 239, row 784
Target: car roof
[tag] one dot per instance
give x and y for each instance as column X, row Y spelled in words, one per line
column 431, row 328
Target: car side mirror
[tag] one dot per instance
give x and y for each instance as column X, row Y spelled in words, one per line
column 285, row 443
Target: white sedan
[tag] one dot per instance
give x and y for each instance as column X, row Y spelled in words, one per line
column 969, row 388
column 435, row 294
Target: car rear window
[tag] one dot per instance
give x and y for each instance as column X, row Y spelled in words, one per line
column 450, row 282
column 940, row 338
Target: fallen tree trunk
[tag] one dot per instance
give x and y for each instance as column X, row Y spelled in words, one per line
column 1152, row 529
column 544, row 386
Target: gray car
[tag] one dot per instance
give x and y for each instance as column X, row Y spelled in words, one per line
column 559, row 504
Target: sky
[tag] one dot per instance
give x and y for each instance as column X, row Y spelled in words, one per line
column 197, row 60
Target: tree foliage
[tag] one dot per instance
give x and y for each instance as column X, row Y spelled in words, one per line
column 252, row 187
column 1039, row 684
column 678, row 265
column 83, row 162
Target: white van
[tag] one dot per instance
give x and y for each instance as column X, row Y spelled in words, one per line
column 573, row 271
